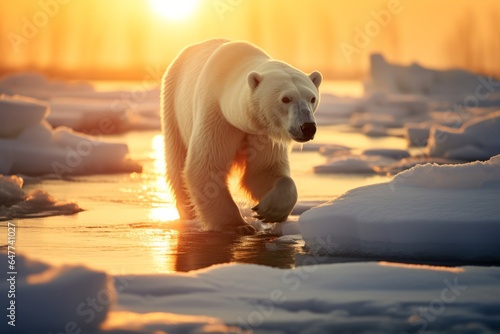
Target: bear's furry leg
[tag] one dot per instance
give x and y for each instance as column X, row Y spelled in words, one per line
column 267, row 179
column 206, row 177
column 175, row 152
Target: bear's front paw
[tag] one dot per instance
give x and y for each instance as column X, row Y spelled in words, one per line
column 278, row 203
column 268, row 214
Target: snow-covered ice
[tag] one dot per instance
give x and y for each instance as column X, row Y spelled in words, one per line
column 417, row 134
column 335, row 109
column 31, row 146
column 440, row 212
column 416, row 79
column 80, row 106
column 16, row 203
column 48, row 298
column 353, row 164
column 359, row 161
column 439, row 111
column 477, row 139
column 21, row 113
column 330, row 298
column 407, row 163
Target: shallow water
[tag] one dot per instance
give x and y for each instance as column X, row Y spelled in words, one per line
column 129, row 224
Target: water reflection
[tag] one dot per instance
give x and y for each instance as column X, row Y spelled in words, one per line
column 163, row 203
column 198, row 250
column 159, row 239
column 162, row 245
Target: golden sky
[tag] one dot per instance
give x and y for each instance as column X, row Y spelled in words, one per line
column 130, row 39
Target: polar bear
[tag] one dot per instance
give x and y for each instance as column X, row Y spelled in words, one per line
column 228, row 106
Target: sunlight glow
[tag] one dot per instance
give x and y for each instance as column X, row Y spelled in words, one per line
column 174, row 9
column 166, row 210
column 161, row 244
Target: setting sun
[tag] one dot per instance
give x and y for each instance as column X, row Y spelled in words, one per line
column 173, row 9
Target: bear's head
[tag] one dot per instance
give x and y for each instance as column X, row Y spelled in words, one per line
column 284, row 101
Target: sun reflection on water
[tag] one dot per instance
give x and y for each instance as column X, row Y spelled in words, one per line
column 163, row 207
column 162, row 245
column 162, row 241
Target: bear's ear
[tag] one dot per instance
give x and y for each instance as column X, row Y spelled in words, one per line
column 254, row 80
column 316, row 78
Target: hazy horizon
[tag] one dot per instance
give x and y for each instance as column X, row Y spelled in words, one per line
column 129, row 40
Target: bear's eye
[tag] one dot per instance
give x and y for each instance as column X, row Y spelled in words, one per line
column 313, row 100
column 286, row 100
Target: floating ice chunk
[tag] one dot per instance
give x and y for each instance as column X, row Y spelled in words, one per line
column 345, row 165
column 353, row 164
column 417, row 134
column 83, row 108
column 358, row 120
column 11, row 191
column 334, row 109
column 428, row 212
column 463, row 176
column 383, row 111
column 387, row 152
column 372, row 130
column 99, row 116
column 15, row 203
column 334, row 149
column 18, row 113
column 415, row 79
column 400, row 106
column 477, row 139
column 37, row 149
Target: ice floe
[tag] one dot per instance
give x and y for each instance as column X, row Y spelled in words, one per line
column 478, row 139
column 234, row 298
column 428, row 212
column 80, row 106
column 30, row 146
column 16, row 203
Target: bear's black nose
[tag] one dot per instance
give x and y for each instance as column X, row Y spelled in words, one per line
column 308, row 130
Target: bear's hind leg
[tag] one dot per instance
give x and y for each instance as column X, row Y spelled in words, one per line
column 175, row 154
column 175, row 157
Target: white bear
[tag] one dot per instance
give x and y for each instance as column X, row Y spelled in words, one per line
column 228, row 106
